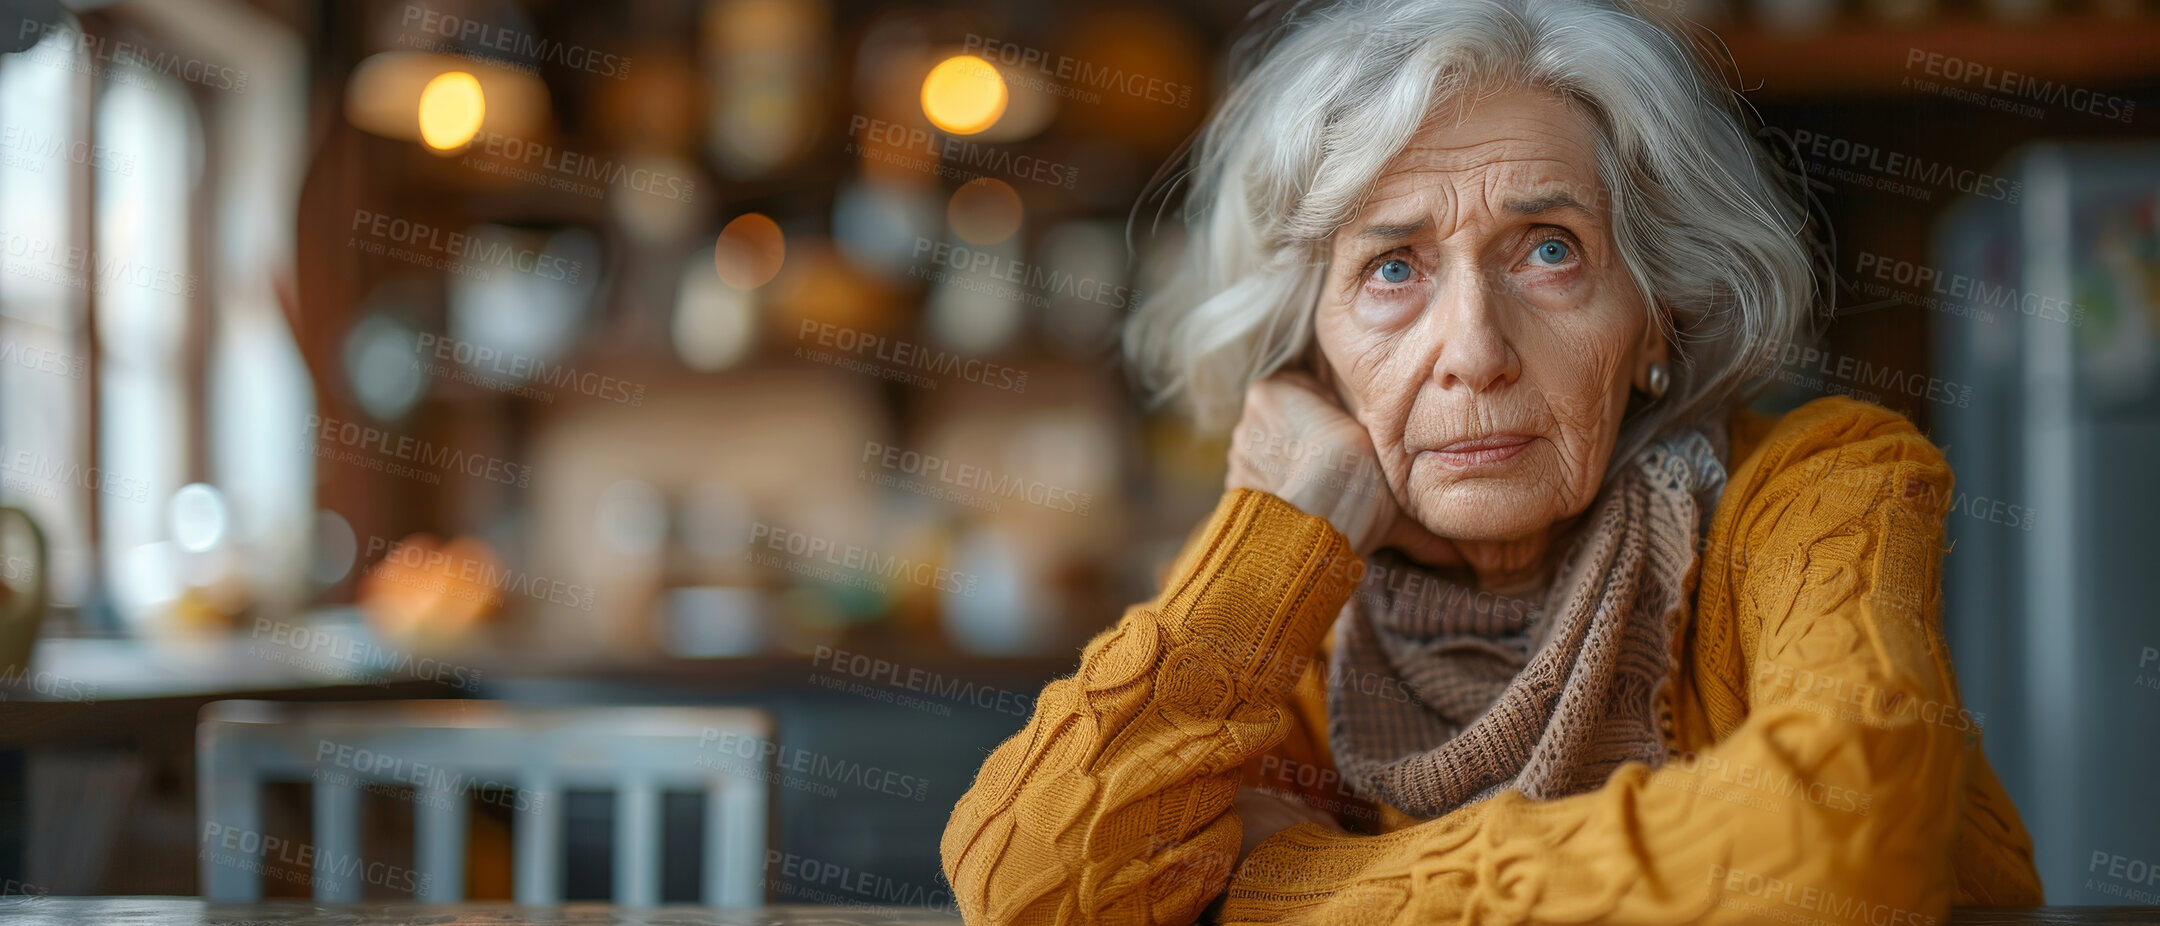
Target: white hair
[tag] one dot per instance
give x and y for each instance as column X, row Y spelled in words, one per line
column 1708, row 227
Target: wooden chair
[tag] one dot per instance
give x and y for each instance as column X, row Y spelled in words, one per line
column 444, row 750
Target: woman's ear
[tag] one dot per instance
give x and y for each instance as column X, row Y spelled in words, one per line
column 1652, row 350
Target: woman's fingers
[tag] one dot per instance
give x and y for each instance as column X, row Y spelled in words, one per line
column 1296, row 443
column 1420, row 545
column 1265, row 813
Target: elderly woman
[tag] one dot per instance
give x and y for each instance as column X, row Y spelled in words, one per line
column 1509, row 613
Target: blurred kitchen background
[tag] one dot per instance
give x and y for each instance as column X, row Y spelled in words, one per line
column 762, row 353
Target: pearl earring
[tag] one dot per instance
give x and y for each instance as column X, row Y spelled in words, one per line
column 1659, row 382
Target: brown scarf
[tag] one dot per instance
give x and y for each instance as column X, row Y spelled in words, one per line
column 1546, row 696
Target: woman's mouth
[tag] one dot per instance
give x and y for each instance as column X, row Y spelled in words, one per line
column 1490, row 450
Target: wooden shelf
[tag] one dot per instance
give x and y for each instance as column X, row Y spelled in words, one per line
column 2086, row 53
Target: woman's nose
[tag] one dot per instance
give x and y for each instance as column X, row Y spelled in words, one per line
column 1470, row 346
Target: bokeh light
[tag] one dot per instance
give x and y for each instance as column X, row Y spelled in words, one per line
column 750, row 251
column 963, row 95
column 984, row 210
column 451, row 109
column 535, row 315
column 715, row 324
column 881, row 226
column 425, row 589
column 633, row 518
column 335, row 546
column 763, row 62
column 1030, row 105
column 976, row 311
column 197, row 515
column 382, row 97
column 379, row 366
column 667, row 211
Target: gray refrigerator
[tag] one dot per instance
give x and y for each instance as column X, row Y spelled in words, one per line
column 2049, row 307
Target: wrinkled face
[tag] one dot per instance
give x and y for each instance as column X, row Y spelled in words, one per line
column 1477, row 320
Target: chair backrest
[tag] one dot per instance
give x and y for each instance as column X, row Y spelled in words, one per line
column 445, row 750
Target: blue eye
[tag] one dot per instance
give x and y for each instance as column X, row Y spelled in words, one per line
column 1395, row 271
column 1552, row 251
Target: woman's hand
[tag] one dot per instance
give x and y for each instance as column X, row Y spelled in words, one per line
column 1265, row 813
column 1295, row 442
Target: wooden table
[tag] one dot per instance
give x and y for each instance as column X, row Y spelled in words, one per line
column 170, row 911
column 162, row 911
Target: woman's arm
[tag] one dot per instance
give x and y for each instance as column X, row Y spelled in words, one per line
column 1834, row 800
column 1113, row 804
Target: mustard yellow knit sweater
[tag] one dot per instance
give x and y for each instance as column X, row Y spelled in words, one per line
column 1823, row 769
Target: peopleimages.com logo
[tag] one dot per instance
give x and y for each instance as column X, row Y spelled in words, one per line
column 1078, row 72
column 47, row 470
column 43, row 360
column 75, row 267
column 2013, row 86
column 1011, row 270
column 404, row 448
column 561, row 169
column 525, row 370
column 381, row 767
column 810, row 550
column 119, row 61
column 425, row 245
column 466, row 31
column 298, row 862
column 1966, row 290
column 911, row 356
column 37, row 146
column 1863, row 163
column 330, row 649
column 761, row 757
column 977, row 479
column 984, row 160
column 484, row 580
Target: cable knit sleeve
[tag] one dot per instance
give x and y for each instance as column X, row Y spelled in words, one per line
column 1113, row 804
column 1827, row 789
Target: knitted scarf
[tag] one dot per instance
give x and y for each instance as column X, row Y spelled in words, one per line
column 1546, row 695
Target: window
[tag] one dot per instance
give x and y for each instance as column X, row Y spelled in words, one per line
column 45, row 458
column 144, row 293
column 142, row 349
